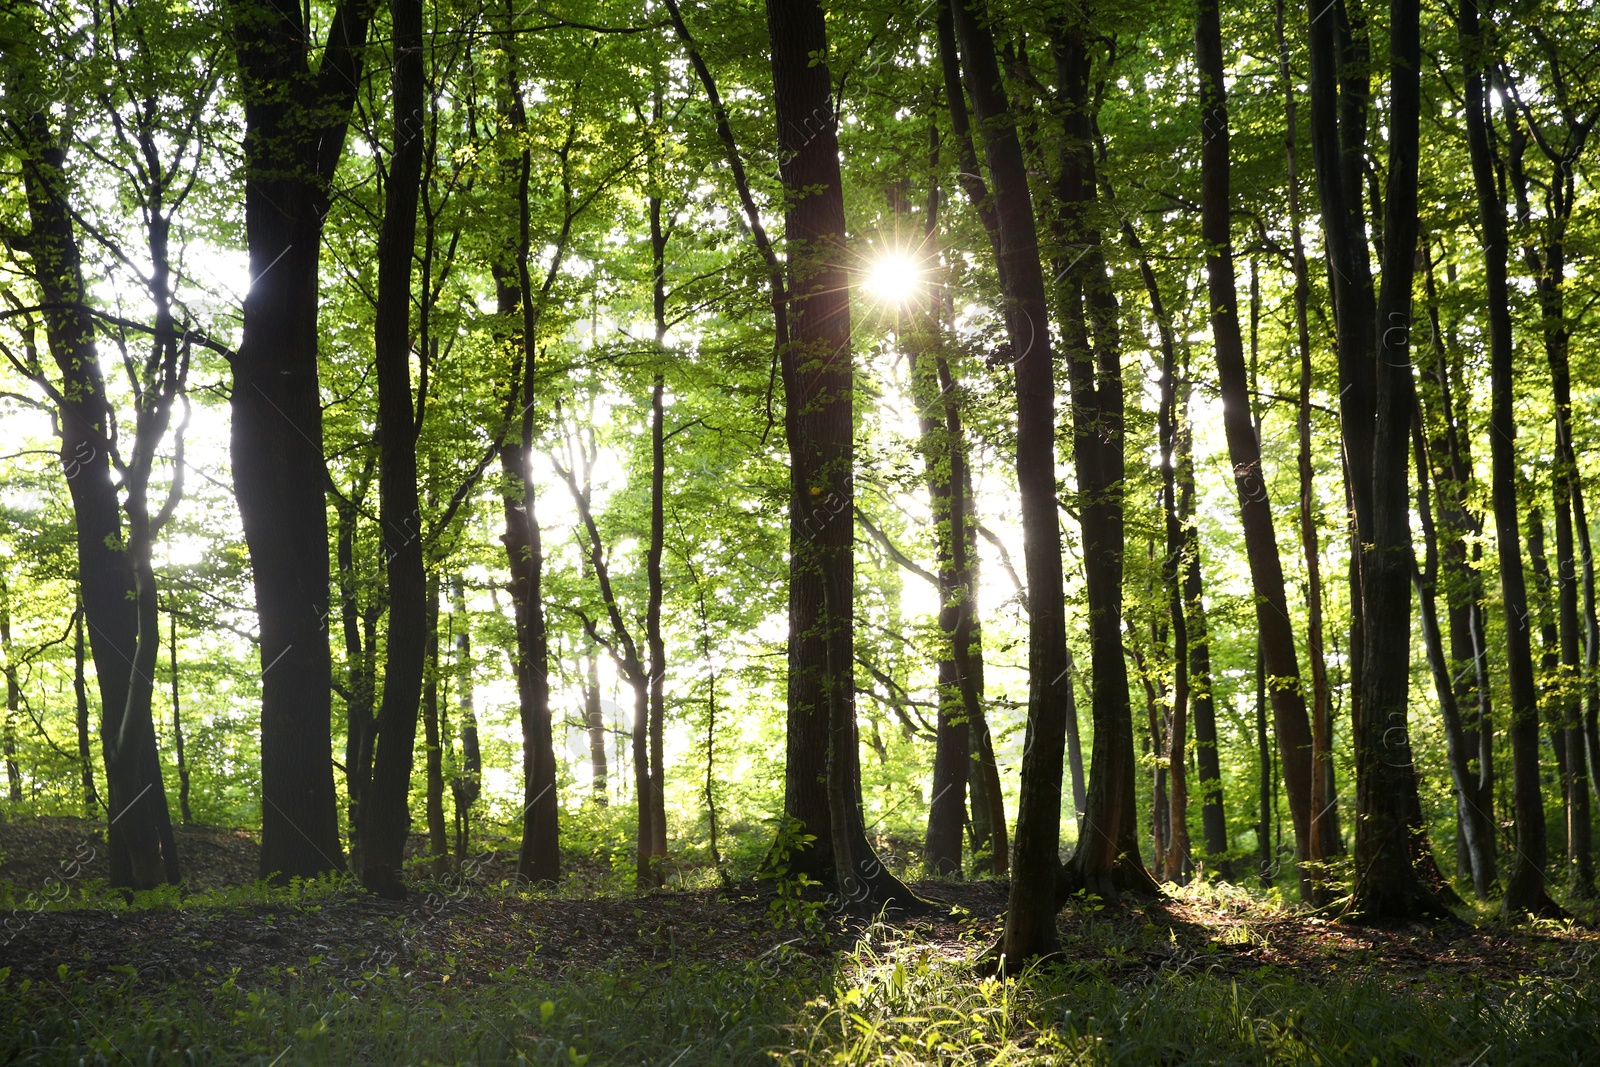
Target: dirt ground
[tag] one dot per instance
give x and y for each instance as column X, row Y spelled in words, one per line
column 466, row 930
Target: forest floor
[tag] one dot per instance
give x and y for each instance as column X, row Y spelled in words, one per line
column 475, row 971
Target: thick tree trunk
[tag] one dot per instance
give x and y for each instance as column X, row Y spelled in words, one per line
column 1525, row 887
column 1279, row 659
column 1107, row 857
column 386, row 804
column 818, row 376
column 295, row 124
column 1388, row 882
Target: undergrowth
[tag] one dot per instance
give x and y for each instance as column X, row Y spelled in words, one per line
column 1129, row 993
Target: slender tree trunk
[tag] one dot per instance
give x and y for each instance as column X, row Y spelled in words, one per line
column 595, row 722
column 1080, row 788
column 1440, row 394
column 1170, row 426
column 658, row 477
column 118, row 607
column 386, row 803
column 539, row 859
column 1290, row 720
column 1325, row 811
column 1546, row 262
column 8, row 742
column 1476, row 831
column 434, row 728
column 177, row 722
column 295, row 125
column 1525, row 887
column 947, row 806
column 80, row 693
column 1030, row 917
column 467, row 783
column 822, row 772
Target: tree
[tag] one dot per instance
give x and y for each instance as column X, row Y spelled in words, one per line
column 296, row 118
column 1525, row 891
column 822, row 787
column 1030, row 914
column 1279, row 659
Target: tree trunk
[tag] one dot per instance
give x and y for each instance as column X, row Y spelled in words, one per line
column 8, row 743
column 386, row 804
column 658, row 476
column 1525, row 887
column 1442, row 394
column 1476, row 831
column 434, row 739
column 922, row 343
column 1324, row 806
column 1290, row 721
column 1546, row 262
column 295, row 124
column 539, row 859
column 1030, row 917
column 467, row 783
column 1388, row 881
column 117, row 606
column 1107, row 857
column 177, row 723
column 80, row 693
column 595, row 722
column 990, row 844
column 818, row 377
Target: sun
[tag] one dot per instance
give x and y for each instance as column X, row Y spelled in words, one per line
column 893, row 278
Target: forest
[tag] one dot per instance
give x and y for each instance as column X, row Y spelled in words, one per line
column 813, row 533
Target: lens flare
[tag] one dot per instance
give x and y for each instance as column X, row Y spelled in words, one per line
column 893, row 278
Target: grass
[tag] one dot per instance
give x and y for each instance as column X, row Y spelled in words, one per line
column 1184, row 985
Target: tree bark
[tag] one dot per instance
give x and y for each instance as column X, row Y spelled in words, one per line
column 467, row 783
column 80, row 693
column 1030, row 917
column 1477, row 832
column 177, row 723
column 1277, row 644
column 386, row 804
column 1325, row 841
column 539, row 859
column 434, row 726
column 1525, row 887
column 113, row 564
column 822, row 763
column 295, row 125
column 1388, row 881
column 1107, row 858
column 654, row 645
column 944, row 475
